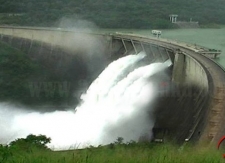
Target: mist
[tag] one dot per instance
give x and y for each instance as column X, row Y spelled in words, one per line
column 117, row 104
column 76, row 24
column 80, row 40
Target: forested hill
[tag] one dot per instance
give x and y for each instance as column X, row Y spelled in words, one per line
column 112, row 13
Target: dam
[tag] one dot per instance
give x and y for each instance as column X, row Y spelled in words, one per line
column 193, row 111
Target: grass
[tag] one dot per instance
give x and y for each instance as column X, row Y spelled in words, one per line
column 129, row 153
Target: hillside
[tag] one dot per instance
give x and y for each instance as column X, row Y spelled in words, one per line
column 111, row 13
column 34, row 79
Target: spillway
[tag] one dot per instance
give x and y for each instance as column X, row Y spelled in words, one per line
column 117, row 104
column 186, row 96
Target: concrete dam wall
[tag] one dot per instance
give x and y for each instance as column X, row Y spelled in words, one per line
column 183, row 113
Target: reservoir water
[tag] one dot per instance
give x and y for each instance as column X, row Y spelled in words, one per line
column 210, row 38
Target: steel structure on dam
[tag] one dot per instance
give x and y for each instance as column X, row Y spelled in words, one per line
column 194, row 111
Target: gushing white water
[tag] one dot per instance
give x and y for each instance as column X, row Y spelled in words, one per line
column 117, row 104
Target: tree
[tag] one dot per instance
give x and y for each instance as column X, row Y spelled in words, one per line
column 119, row 140
column 30, row 142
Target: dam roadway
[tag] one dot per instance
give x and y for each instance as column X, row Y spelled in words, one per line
column 210, row 119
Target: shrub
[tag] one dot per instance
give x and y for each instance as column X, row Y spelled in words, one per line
column 4, row 153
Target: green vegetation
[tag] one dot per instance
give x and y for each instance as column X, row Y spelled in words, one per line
column 33, row 149
column 33, row 81
column 41, row 78
column 30, row 142
column 112, row 13
column 15, row 69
